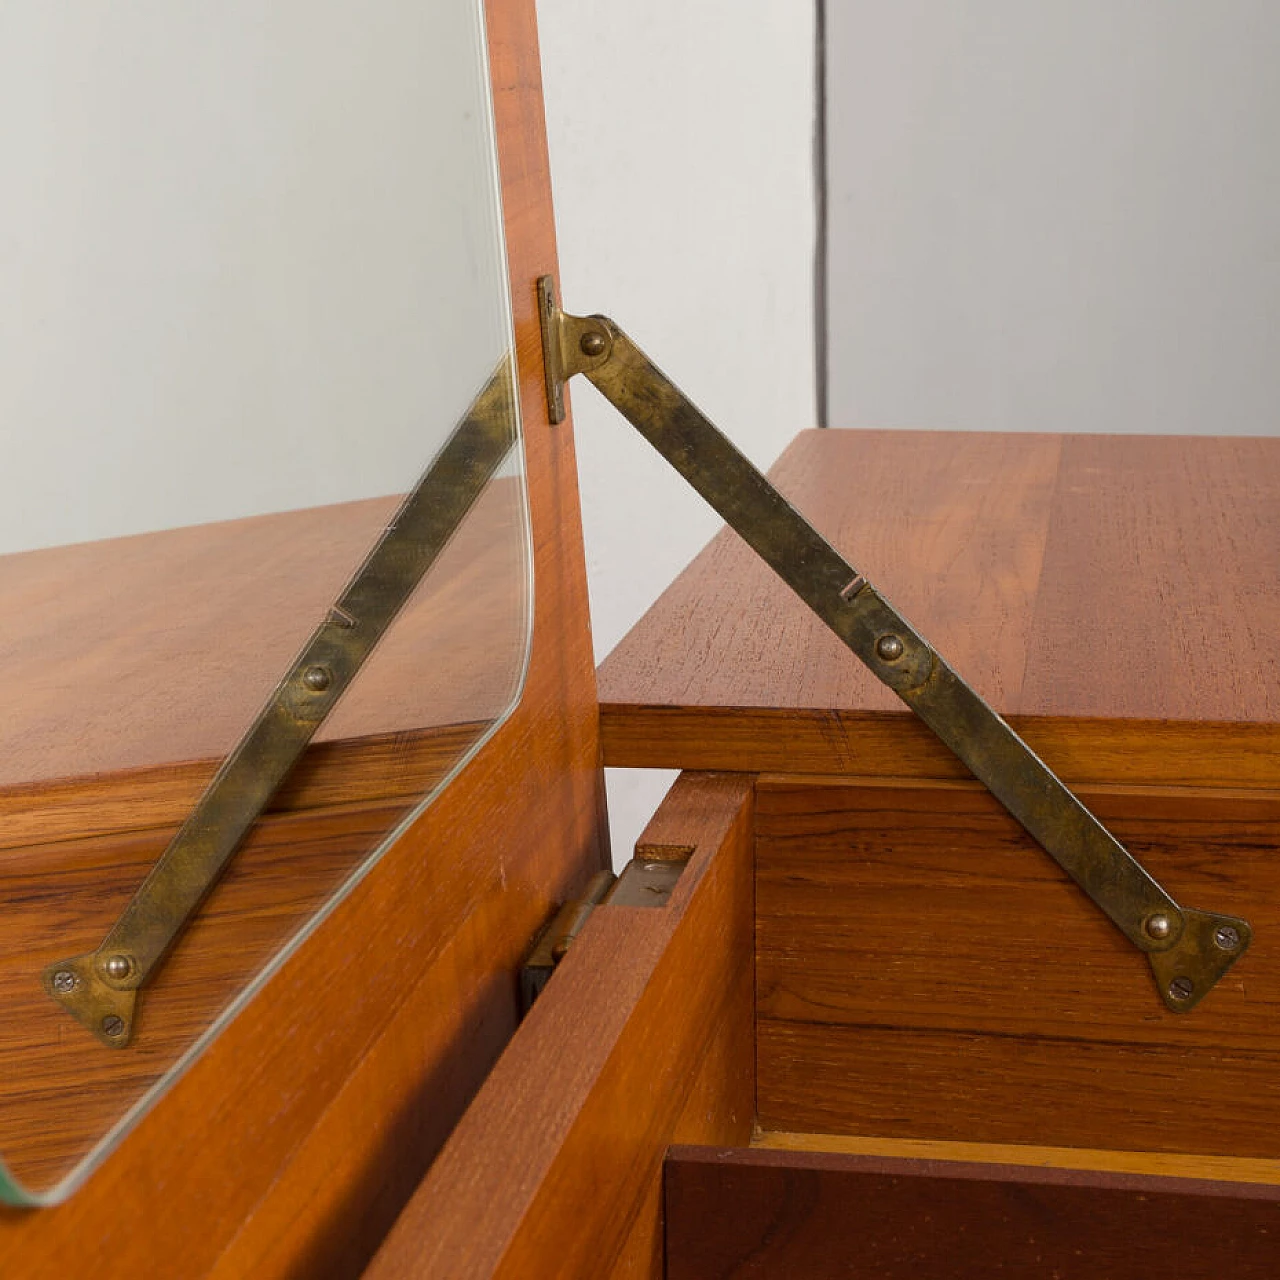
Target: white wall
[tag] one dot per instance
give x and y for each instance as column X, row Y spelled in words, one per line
column 681, row 138
column 250, row 256
column 1061, row 215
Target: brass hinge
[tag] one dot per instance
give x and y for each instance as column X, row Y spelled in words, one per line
column 646, row 881
column 1189, row 950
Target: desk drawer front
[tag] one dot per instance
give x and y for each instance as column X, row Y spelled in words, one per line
column 924, row 971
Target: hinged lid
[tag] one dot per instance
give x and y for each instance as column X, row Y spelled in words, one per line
column 1114, row 597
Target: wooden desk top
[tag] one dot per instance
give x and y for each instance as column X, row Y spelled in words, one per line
column 1116, row 597
column 134, row 664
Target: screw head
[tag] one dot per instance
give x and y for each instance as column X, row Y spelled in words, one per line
column 317, row 679
column 1227, row 937
column 889, row 647
column 113, row 1025
column 591, row 343
column 117, row 967
column 64, row 980
column 1182, row 989
column 1159, row 925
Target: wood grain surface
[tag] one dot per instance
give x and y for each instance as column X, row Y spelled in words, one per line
column 749, row 1214
column 289, row 1147
column 642, row 1037
column 61, row 1091
column 135, row 664
column 925, row 971
column 1169, row 1164
column 1115, row 597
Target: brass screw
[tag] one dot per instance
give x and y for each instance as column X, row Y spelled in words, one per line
column 1182, row 988
column 317, row 679
column 118, row 967
column 889, row 648
column 591, row 343
column 113, row 1025
column 1159, row 926
column 64, row 980
column 1227, row 936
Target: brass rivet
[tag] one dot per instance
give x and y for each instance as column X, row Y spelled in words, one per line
column 317, row 679
column 118, row 967
column 113, row 1025
column 889, row 648
column 1182, row 989
column 1227, row 937
column 64, row 980
column 591, row 343
column 1159, row 925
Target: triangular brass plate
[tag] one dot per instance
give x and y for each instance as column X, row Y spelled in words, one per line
column 106, row 1010
column 1207, row 947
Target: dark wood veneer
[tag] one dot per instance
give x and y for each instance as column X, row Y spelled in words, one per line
column 748, row 1214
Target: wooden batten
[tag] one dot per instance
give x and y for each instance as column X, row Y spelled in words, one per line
column 642, row 1038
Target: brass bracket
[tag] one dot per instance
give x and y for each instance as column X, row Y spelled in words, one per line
column 569, row 345
column 100, row 988
column 646, row 881
column 1189, row 950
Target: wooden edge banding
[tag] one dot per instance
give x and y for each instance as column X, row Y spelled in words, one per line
column 873, row 745
column 752, row 1212
column 1165, row 1164
column 560, row 1154
column 383, row 767
column 970, row 1170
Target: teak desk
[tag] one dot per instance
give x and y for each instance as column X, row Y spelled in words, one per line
column 887, row 1034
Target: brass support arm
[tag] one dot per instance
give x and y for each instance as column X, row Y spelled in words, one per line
column 100, row 988
column 1189, row 950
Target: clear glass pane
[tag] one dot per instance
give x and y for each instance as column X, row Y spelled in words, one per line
column 252, row 278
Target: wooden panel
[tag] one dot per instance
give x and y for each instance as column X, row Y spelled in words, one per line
column 289, row 1147
column 990, row 544
column 555, row 1169
column 924, row 971
column 889, row 745
column 763, row 1213
column 1177, row 544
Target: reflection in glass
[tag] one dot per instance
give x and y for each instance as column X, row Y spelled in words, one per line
column 251, row 279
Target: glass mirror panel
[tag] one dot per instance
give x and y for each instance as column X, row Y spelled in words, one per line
column 252, row 286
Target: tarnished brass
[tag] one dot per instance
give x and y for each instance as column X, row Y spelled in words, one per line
column 1186, row 948
column 569, row 346
column 569, row 922
column 646, row 881
column 101, row 987
column 556, row 938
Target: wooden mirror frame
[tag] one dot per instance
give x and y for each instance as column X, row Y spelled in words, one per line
column 290, row 1147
